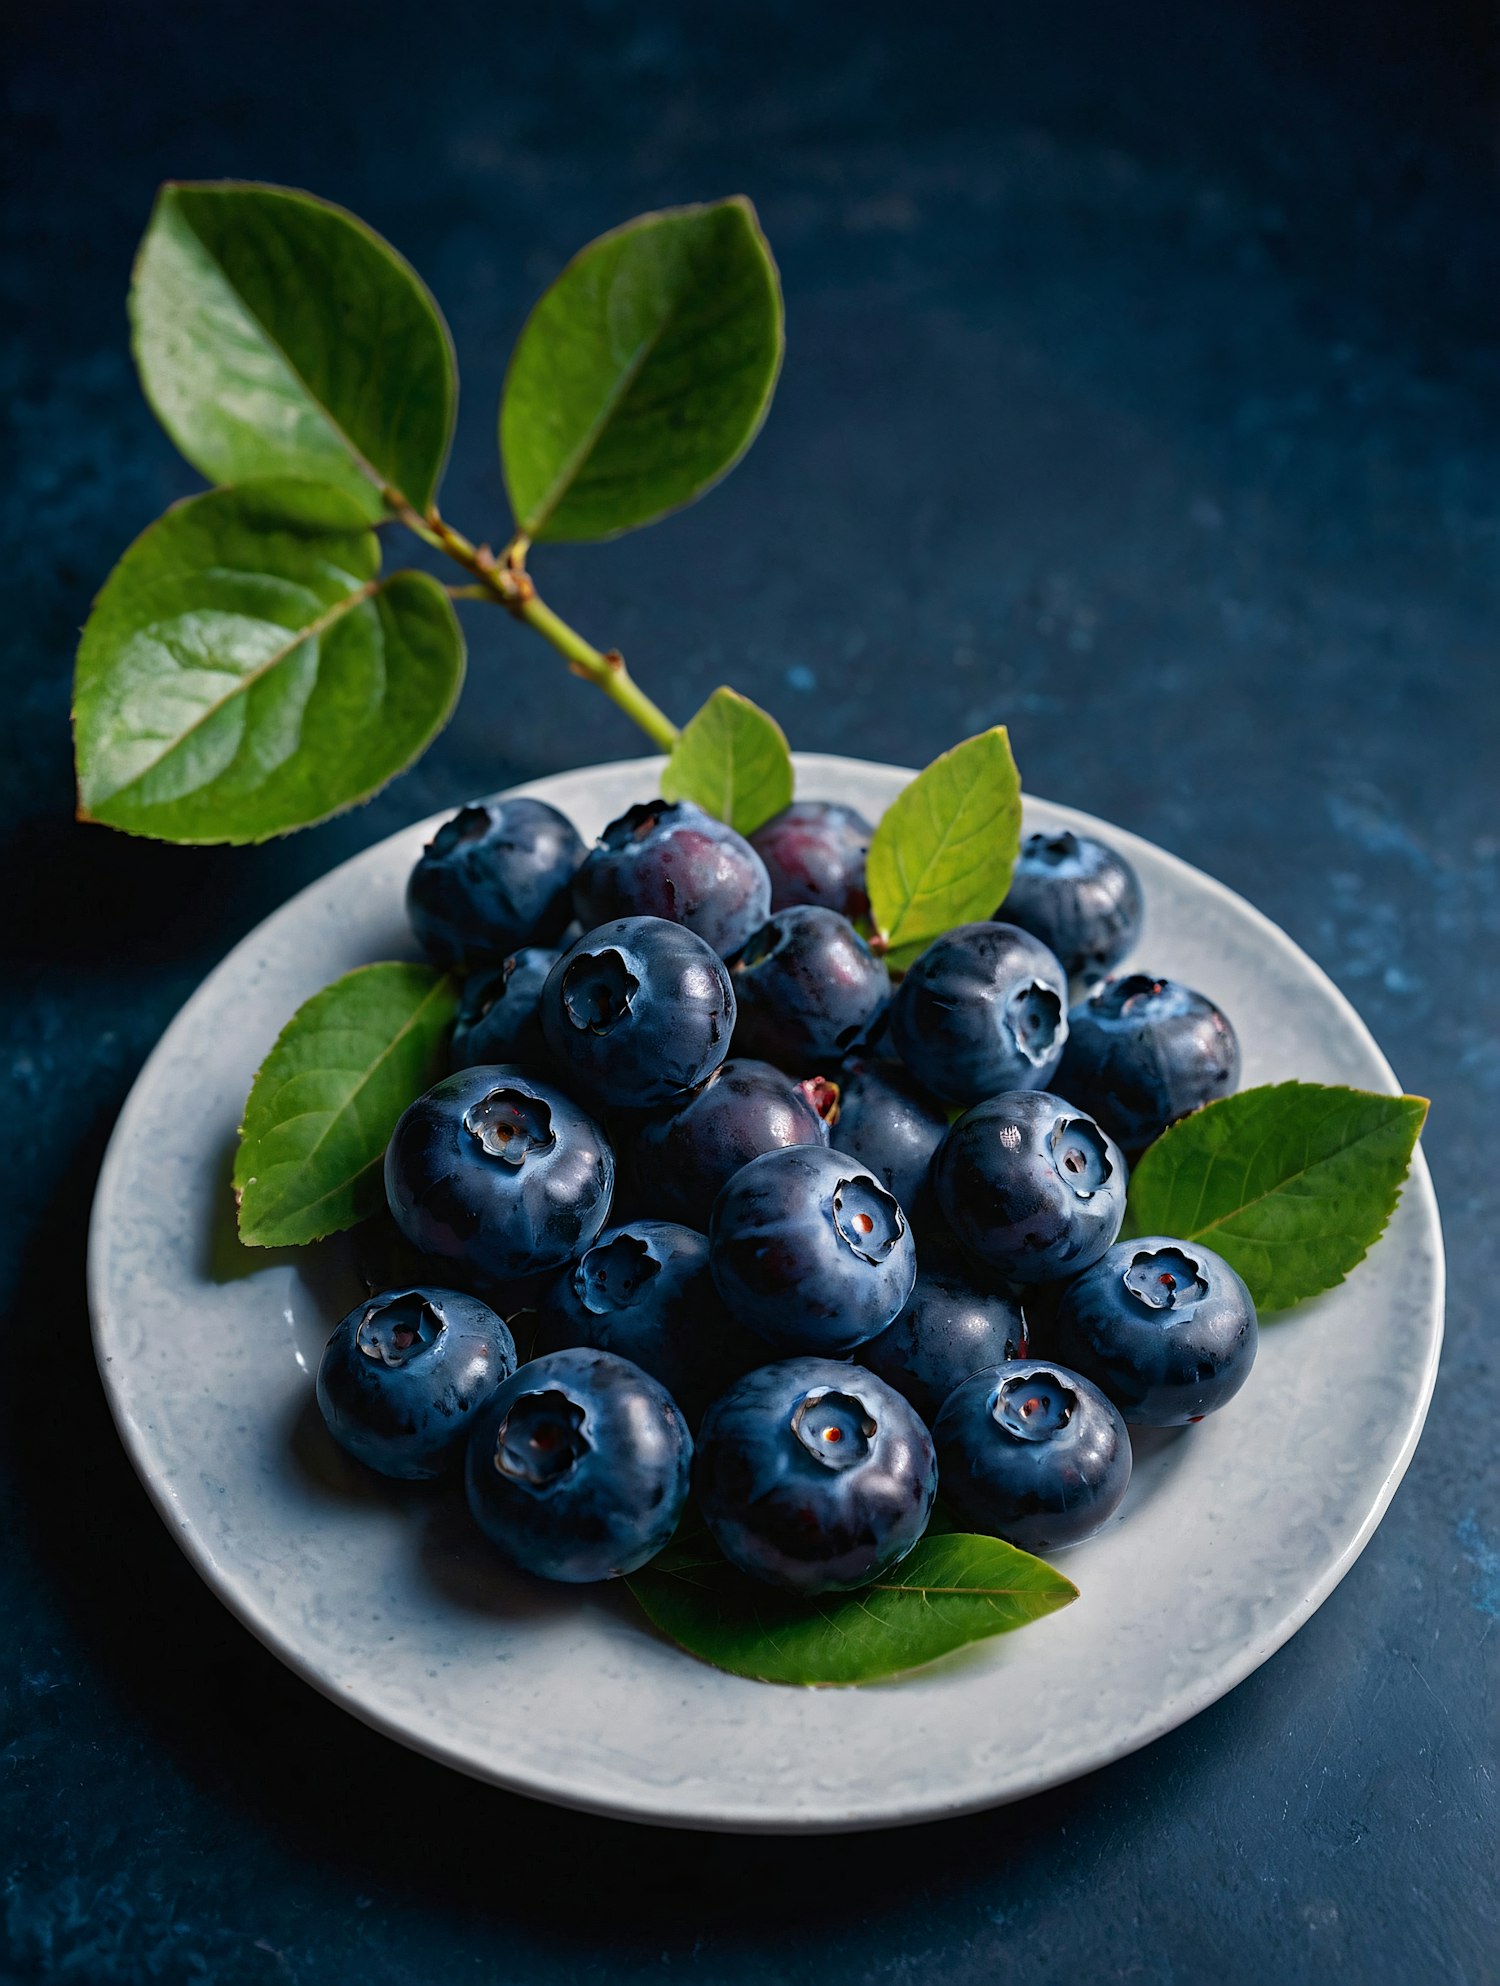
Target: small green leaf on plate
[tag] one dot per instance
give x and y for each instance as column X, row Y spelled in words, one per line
column 246, row 671
column 1291, row 1183
column 643, row 373
column 945, row 847
column 325, row 1102
column 277, row 335
column 950, row 1589
column 731, row 758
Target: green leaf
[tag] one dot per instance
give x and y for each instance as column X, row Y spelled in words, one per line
column 945, row 847
column 325, row 1102
column 949, row 1589
column 245, row 670
column 643, row 374
column 1292, row 1183
column 733, row 760
column 279, row 336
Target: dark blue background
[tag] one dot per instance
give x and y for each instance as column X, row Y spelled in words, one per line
column 1141, row 392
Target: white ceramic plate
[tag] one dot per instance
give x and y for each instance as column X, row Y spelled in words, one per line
column 1232, row 1532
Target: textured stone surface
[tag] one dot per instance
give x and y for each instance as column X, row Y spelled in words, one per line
column 1137, row 394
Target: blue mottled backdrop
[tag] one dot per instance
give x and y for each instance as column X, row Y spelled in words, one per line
column 1141, row 393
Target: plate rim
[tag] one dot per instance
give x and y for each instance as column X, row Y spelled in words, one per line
column 1179, row 1709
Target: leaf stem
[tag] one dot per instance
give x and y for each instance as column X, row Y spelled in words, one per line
column 506, row 581
column 605, row 667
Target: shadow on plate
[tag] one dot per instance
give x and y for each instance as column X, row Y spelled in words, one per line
column 1158, row 1453
column 468, row 1573
column 226, row 1259
column 324, row 1468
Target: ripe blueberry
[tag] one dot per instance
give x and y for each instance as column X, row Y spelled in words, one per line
column 890, row 1124
column 1165, row 1328
column 682, row 1155
column 497, row 876
column 499, row 1012
column 638, row 1011
column 405, row 1374
column 814, row 1476
column 1031, row 1186
column 1079, row 897
column 984, row 1009
column 949, row 1328
column 578, row 1467
column 644, row 1291
column 671, row 859
column 808, row 988
column 814, row 852
column 1033, row 1453
column 500, row 1172
column 810, row 1250
column 1143, row 1052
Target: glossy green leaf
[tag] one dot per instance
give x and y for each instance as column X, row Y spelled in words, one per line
column 1292, row 1183
column 643, row 373
column 731, row 758
column 950, row 1589
column 277, row 335
column 326, row 1100
column 945, row 847
column 245, row 669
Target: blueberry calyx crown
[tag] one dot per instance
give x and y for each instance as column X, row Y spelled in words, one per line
column 763, row 944
column 542, row 1439
column 1034, row 1405
column 1052, row 849
column 1033, row 1014
column 510, row 1125
column 598, row 990
column 638, row 821
column 1078, row 1152
column 471, row 823
column 612, row 1276
column 1136, row 992
column 1165, row 1279
column 834, row 1428
column 867, row 1218
column 397, row 1329
column 501, row 980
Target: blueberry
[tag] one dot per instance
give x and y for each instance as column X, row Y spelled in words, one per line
column 809, row 990
column 671, row 859
column 809, row 1250
column 1165, row 1328
column 984, row 1009
column 814, row 1475
column 1143, row 1052
column 497, row 876
column 499, row 1012
column 889, row 1123
column 949, row 1328
column 497, row 1171
column 405, row 1374
column 814, row 852
column 1031, row 1186
column 682, row 1155
column 645, row 1292
column 1033, row 1453
column 578, row 1467
column 638, row 1011
column 1079, row 897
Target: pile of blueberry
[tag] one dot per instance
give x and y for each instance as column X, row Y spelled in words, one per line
column 777, row 1233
